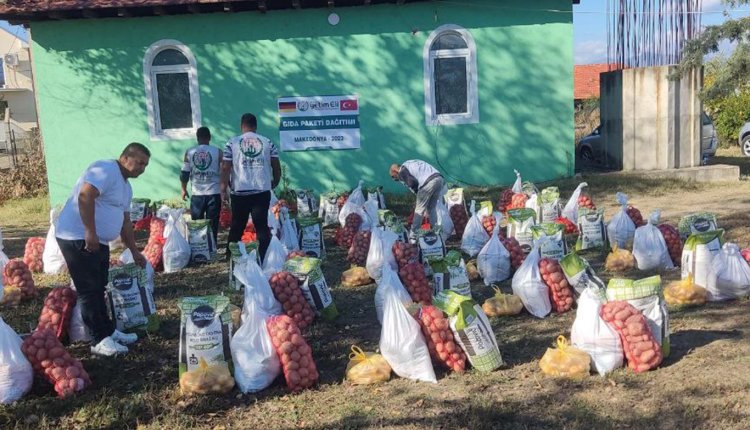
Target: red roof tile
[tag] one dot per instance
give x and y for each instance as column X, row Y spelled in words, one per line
column 32, row 10
column 586, row 79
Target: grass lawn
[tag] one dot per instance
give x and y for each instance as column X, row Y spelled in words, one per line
column 704, row 383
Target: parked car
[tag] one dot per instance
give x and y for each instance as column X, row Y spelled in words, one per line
column 745, row 139
column 591, row 147
column 709, row 141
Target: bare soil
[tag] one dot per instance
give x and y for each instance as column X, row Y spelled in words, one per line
column 705, row 382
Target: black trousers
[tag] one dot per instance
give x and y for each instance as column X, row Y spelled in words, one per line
column 90, row 274
column 207, row 207
column 255, row 206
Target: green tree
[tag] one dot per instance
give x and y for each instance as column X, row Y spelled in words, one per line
column 729, row 112
column 734, row 75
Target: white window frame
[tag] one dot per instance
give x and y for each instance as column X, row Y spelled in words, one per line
column 472, row 98
column 152, row 97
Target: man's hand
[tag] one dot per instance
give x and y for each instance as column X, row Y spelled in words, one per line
column 92, row 242
column 138, row 258
column 184, row 195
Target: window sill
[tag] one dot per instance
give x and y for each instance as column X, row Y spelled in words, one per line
column 185, row 134
column 453, row 120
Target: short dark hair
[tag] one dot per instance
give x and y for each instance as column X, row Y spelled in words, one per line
column 203, row 133
column 134, row 147
column 249, row 120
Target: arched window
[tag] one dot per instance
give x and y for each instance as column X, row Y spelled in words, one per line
column 450, row 77
column 172, row 98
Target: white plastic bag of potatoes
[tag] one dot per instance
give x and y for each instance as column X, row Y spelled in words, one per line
column 593, row 335
column 529, row 286
column 256, row 363
column 493, row 261
column 16, row 375
column 649, row 247
column 729, row 276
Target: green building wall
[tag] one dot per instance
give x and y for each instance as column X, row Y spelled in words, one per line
column 91, row 96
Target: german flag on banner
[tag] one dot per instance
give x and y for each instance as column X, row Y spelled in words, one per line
column 287, row 107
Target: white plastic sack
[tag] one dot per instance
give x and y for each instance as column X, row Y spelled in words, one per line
column 475, row 237
column 176, row 248
column 3, row 258
column 657, row 316
column 370, row 208
column 698, row 255
column 729, row 276
column 389, row 284
column 534, row 203
column 307, row 205
column 288, row 231
column 528, row 285
column 77, row 331
column 493, row 261
column 328, row 210
column 380, row 252
column 402, row 344
column 163, row 212
column 127, row 257
column 444, row 220
column 378, row 198
column 52, row 257
column 275, row 257
column 273, row 223
column 257, row 288
column 570, row 211
column 649, row 248
column 354, row 203
column 591, row 334
column 180, row 222
column 256, row 363
column 621, row 228
column 518, row 184
column 16, row 375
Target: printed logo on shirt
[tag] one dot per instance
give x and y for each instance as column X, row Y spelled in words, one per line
column 251, row 147
column 202, row 160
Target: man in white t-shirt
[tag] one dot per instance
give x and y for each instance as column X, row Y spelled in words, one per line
column 201, row 168
column 249, row 171
column 97, row 212
column 426, row 182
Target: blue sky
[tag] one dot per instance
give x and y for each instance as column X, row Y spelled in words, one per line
column 590, row 27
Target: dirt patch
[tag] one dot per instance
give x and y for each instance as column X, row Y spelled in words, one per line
column 703, row 384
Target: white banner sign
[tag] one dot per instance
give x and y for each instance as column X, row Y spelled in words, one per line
column 319, row 122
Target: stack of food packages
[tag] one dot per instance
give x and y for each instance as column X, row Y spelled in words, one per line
column 626, row 321
column 425, row 298
column 271, row 337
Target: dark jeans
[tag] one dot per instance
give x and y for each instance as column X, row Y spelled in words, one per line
column 207, row 207
column 255, row 205
column 90, row 274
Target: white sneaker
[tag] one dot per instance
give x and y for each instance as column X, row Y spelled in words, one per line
column 108, row 348
column 124, row 338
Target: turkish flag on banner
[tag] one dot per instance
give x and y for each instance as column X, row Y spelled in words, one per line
column 349, row 105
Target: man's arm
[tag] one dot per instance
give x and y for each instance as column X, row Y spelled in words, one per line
column 276, row 168
column 128, row 239
column 185, row 176
column 226, row 169
column 86, row 203
column 408, row 180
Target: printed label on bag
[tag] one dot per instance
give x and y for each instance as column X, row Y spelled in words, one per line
column 591, row 229
column 130, row 303
column 200, row 241
column 205, row 330
column 311, row 241
column 138, row 210
column 431, row 245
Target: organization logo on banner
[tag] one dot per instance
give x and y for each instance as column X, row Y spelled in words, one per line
column 202, row 160
column 319, row 122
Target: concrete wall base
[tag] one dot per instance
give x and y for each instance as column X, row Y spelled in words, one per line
column 714, row 173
